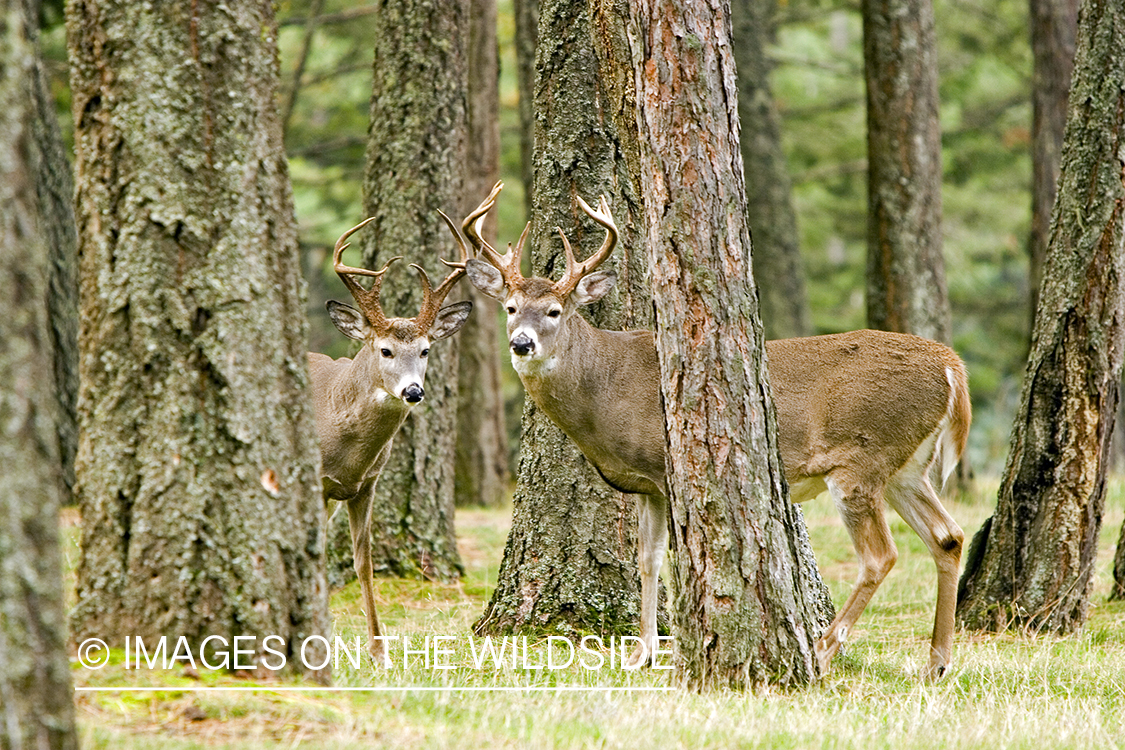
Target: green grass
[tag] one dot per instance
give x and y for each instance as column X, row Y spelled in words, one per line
column 1007, row 691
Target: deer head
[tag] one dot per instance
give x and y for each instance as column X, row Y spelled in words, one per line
column 539, row 310
column 400, row 346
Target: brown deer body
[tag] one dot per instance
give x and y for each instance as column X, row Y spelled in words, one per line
column 360, row 403
column 862, row 414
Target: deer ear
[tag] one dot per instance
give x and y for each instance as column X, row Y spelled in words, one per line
column 594, row 286
column 449, row 320
column 348, row 320
column 485, row 277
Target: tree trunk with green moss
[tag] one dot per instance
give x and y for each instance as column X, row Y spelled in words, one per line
column 1031, row 564
column 570, row 560
column 197, row 462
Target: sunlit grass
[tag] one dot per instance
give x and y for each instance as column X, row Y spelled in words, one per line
column 1016, row 690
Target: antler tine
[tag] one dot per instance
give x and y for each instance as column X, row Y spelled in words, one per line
column 367, row 299
column 472, row 223
column 575, row 270
column 509, row 263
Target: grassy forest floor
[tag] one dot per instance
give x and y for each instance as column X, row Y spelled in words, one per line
column 1007, row 691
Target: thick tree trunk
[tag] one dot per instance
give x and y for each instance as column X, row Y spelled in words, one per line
column 1031, row 563
column 746, row 608
column 197, row 462
column 905, row 270
column 482, row 472
column 570, row 560
column 36, row 706
column 415, row 165
column 54, row 185
column 769, row 193
column 1053, row 24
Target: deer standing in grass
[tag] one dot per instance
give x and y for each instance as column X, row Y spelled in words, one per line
column 862, row 414
column 360, row 403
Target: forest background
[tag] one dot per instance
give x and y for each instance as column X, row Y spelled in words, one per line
column 985, row 65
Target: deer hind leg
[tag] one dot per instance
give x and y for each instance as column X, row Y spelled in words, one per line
column 652, row 542
column 914, row 499
column 862, row 512
column 359, row 521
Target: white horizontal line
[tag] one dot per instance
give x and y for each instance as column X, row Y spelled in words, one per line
column 372, row 689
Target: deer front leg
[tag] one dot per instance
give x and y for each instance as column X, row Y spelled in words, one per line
column 359, row 521
column 863, row 516
column 652, row 541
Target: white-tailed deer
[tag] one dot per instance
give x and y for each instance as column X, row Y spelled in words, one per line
column 862, row 414
column 361, row 403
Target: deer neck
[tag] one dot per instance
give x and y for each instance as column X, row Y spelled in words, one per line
column 554, row 381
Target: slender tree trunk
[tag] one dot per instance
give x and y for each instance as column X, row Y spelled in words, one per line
column 905, row 270
column 769, row 193
column 1053, row 24
column 416, row 161
column 54, row 185
column 482, row 472
column 526, row 13
column 745, row 605
column 36, row 700
column 1031, row 563
column 570, row 559
column 197, row 462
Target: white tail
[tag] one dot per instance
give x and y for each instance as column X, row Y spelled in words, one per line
column 863, row 415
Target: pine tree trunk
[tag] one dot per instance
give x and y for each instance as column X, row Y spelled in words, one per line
column 482, row 472
column 55, row 188
column 1031, row 563
column 197, row 462
column 905, row 270
column 526, row 16
column 36, row 700
column 769, row 193
column 745, row 607
column 570, row 559
column 415, row 165
column 1053, row 24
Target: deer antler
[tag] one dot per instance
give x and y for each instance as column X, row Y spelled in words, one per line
column 509, row 263
column 575, row 270
column 367, row 300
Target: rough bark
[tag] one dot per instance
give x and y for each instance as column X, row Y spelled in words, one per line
column 570, row 560
column 482, row 471
column 769, row 192
column 415, row 165
column 1030, row 565
column 1053, row 24
column 197, row 461
column 905, row 270
column 744, row 603
column 36, row 708
column 54, row 186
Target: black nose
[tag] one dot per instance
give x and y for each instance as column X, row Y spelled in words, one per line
column 412, row 394
column 522, row 345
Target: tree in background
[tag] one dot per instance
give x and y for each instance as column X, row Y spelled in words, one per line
column 745, row 605
column 36, row 699
column 1053, row 25
column 197, row 462
column 769, row 203
column 415, row 165
column 482, row 471
column 569, row 562
column 905, row 270
column 1031, row 563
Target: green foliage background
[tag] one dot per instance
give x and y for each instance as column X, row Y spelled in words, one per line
column 985, row 78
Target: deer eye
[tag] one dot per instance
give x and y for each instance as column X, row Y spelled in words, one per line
column 425, row 352
column 386, row 353
column 554, row 313
column 511, row 310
